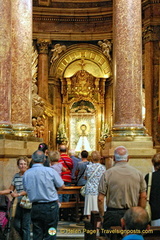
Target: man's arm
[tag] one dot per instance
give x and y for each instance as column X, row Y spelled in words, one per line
column 142, row 199
column 101, row 204
column 62, row 187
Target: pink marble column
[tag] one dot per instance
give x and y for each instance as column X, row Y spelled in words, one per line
column 43, row 68
column 5, row 67
column 21, row 67
column 127, row 63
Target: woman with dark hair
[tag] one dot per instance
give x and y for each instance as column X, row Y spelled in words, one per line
column 44, row 148
column 22, row 219
column 155, row 191
column 81, row 167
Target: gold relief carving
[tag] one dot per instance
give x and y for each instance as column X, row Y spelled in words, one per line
column 82, row 84
column 48, row 109
column 38, row 126
column 83, row 106
column 69, row 63
column 56, row 51
column 105, row 133
column 39, row 122
column 43, row 45
column 106, row 47
column 37, row 102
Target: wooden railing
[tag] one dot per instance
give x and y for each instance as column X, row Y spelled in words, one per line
column 74, row 203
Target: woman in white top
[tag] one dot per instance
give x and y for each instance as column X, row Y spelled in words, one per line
column 93, row 174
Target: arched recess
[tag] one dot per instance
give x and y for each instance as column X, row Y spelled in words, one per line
column 92, row 56
column 84, row 73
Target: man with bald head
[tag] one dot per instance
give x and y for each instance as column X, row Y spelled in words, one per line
column 123, row 186
column 134, row 221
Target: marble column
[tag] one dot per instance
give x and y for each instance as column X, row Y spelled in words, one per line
column 21, row 67
column 5, row 67
column 43, row 68
column 127, row 64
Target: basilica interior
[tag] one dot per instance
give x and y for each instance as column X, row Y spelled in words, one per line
column 82, row 73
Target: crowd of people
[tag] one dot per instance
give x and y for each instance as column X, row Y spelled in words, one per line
column 118, row 193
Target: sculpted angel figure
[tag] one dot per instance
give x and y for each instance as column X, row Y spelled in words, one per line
column 56, row 51
column 106, row 48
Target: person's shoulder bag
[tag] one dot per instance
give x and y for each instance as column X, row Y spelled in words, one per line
column 83, row 189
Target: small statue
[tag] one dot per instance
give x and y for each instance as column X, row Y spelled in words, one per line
column 106, row 48
column 56, row 51
column 37, row 102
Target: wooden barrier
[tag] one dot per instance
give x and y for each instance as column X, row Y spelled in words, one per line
column 74, row 203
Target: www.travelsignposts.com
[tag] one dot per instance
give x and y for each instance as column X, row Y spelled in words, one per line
column 104, row 231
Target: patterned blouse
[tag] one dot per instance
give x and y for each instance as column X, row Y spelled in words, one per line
column 92, row 184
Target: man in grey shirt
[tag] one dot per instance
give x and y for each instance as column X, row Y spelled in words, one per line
column 123, row 186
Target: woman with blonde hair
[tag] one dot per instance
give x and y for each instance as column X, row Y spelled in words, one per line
column 54, row 157
column 93, row 174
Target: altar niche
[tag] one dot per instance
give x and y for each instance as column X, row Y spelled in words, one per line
column 83, row 106
column 83, row 126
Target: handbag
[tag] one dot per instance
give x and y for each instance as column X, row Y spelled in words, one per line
column 25, row 202
column 148, row 207
column 83, row 189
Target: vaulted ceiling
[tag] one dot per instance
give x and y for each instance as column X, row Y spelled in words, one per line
column 82, row 20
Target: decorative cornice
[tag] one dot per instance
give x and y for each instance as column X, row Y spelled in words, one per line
column 70, row 19
column 150, row 1
column 147, row 34
column 73, row 4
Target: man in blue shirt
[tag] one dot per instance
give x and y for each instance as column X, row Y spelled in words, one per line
column 134, row 222
column 40, row 183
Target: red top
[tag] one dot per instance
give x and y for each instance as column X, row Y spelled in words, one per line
column 67, row 162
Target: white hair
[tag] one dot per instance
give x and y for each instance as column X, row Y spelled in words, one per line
column 124, row 153
column 72, row 152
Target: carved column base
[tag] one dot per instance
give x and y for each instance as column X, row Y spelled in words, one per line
column 6, row 128
column 128, row 131
column 22, row 130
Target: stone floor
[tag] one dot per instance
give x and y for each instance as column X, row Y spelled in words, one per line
column 66, row 230
column 70, row 230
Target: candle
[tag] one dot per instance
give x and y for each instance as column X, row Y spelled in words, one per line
column 49, row 136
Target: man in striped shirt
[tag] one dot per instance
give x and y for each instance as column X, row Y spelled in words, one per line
column 67, row 162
